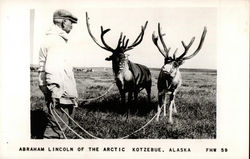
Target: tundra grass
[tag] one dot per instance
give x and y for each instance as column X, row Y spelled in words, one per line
column 107, row 118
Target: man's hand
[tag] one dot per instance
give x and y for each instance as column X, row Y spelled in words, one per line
column 76, row 102
column 56, row 91
column 45, row 108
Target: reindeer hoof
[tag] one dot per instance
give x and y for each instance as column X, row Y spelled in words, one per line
column 170, row 122
column 175, row 111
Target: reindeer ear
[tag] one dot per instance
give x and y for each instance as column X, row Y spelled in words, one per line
column 126, row 56
column 108, row 58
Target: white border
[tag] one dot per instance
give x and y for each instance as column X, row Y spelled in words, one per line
column 232, row 85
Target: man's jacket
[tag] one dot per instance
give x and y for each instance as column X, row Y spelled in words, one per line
column 58, row 73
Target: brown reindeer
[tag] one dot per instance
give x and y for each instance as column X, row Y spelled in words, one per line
column 130, row 77
column 169, row 79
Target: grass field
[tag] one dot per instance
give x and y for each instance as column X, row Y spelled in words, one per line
column 106, row 118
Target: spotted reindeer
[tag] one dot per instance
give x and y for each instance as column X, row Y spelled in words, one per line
column 169, row 79
column 130, row 77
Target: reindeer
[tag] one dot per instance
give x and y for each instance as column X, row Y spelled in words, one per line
column 130, row 77
column 169, row 79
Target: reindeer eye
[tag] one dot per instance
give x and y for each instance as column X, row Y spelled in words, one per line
column 175, row 64
column 167, row 61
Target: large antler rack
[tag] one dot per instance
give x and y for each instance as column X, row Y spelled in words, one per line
column 122, row 42
column 138, row 40
column 186, row 48
column 103, row 32
column 165, row 51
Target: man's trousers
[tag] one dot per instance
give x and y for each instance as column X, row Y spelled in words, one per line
column 57, row 119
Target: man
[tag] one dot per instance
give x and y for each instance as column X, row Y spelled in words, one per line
column 56, row 78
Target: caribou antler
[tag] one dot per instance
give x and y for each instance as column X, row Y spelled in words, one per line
column 103, row 32
column 106, row 47
column 138, row 40
column 186, row 47
column 155, row 40
column 122, row 42
column 162, row 41
column 165, row 51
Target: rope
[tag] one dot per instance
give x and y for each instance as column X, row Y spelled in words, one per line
column 68, row 125
column 80, row 126
column 118, row 138
column 73, row 120
column 141, row 127
column 86, row 130
column 57, row 121
column 95, row 98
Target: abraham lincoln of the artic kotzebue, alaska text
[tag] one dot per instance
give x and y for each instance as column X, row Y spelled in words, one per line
column 56, row 78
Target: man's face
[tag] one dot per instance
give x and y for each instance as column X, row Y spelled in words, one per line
column 67, row 25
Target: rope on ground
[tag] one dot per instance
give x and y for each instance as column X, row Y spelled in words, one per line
column 118, row 138
column 90, row 99
column 141, row 127
column 67, row 125
column 73, row 120
column 80, row 126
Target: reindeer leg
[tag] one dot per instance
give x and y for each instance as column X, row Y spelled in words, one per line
column 122, row 97
column 165, row 104
column 149, row 94
column 170, row 120
column 128, row 106
column 174, row 107
column 129, row 97
column 120, row 86
column 159, row 107
column 122, row 93
column 129, row 102
column 171, row 109
column 148, row 89
column 136, row 100
column 135, row 96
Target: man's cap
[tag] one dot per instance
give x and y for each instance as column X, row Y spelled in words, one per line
column 64, row 14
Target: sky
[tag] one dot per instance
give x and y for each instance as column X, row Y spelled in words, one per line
column 178, row 23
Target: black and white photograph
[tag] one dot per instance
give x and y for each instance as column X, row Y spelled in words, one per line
column 134, row 74
column 107, row 79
